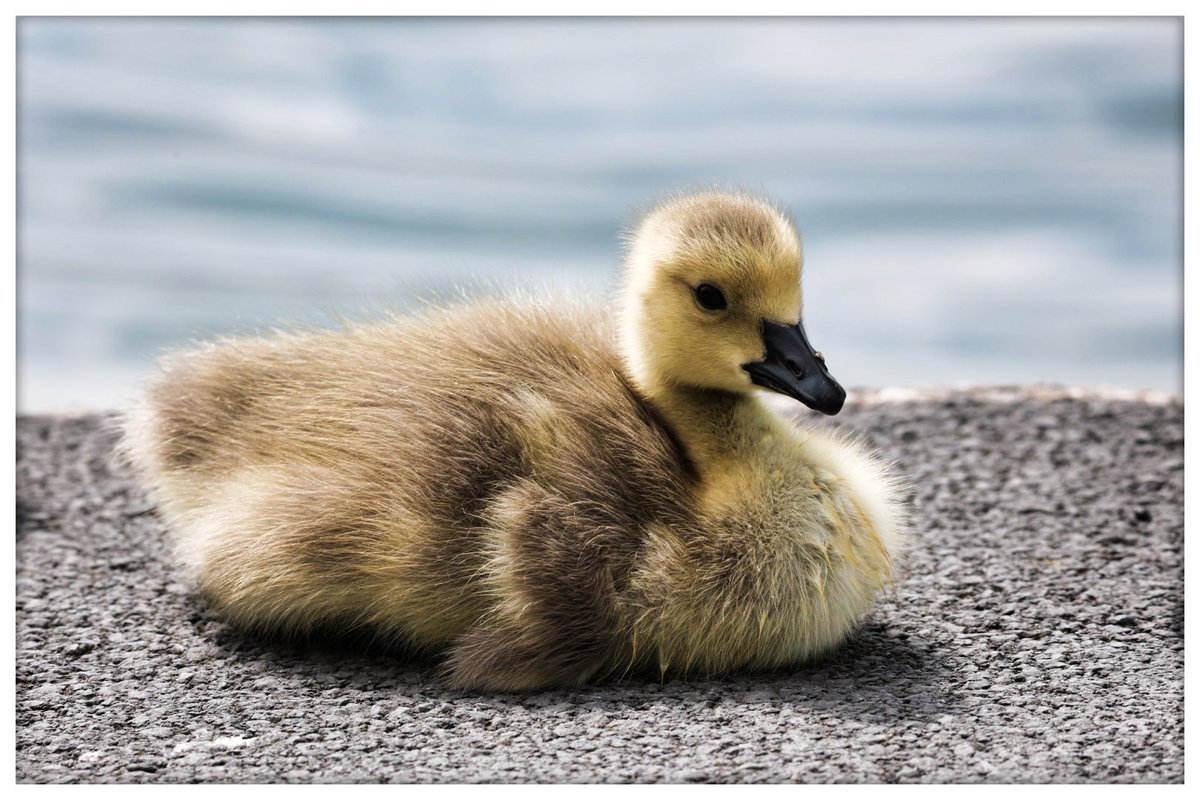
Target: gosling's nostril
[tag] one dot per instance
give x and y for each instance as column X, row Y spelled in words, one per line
column 795, row 368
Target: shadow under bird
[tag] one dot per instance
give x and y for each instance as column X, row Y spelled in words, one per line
column 546, row 492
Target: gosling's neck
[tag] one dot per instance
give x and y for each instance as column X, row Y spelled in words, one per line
column 718, row 429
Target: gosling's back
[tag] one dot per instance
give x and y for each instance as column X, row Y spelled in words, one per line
column 358, row 477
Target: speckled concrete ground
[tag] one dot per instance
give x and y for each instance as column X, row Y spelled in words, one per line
column 1037, row 635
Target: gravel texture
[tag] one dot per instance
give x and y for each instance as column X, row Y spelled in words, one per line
column 1036, row 636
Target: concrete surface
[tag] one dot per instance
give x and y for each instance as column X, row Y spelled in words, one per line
column 1037, row 635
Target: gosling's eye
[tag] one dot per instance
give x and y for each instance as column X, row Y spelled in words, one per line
column 710, row 297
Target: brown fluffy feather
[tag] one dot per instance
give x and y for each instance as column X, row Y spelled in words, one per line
column 492, row 480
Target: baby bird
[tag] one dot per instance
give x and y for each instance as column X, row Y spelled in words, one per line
column 543, row 492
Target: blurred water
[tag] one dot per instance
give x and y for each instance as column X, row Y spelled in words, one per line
column 989, row 201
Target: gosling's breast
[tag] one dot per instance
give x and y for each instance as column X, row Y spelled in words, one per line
column 778, row 566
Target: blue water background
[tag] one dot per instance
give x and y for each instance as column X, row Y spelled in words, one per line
column 981, row 200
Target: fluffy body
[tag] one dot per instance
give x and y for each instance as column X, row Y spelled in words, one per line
column 526, row 486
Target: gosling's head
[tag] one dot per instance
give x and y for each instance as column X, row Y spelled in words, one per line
column 712, row 301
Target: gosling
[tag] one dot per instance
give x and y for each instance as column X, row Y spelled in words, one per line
column 541, row 492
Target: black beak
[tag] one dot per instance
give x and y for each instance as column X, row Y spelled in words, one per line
column 792, row 367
